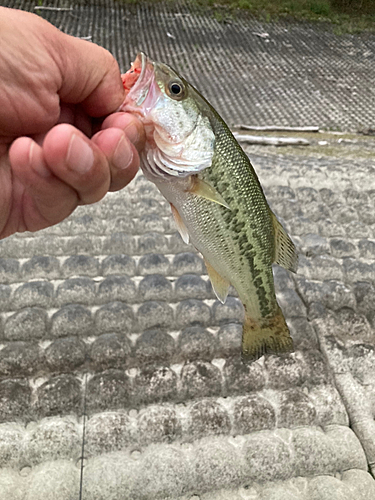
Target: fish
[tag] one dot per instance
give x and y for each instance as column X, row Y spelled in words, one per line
column 215, row 196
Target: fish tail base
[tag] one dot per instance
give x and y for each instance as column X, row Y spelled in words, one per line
column 265, row 336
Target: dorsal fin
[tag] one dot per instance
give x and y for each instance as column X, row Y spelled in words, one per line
column 285, row 251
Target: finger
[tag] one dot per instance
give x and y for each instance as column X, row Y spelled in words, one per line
column 75, row 115
column 131, row 125
column 83, row 121
column 90, row 75
column 39, row 138
column 67, row 114
column 78, row 162
column 72, row 114
column 47, row 200
column 121, row 154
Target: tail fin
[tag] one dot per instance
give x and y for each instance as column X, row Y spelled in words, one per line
column 265, row 336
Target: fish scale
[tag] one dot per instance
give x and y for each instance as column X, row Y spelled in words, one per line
column 216, row 198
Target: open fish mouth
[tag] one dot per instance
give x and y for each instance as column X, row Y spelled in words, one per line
column 135, row 73
column 137, row 82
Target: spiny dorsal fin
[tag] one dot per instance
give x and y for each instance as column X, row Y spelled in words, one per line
column 180, row 224
column 219, row 284
column 205, row 190
column 285, row 251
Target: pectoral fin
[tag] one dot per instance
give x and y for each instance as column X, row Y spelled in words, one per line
column 180, row 224
column 205, row 190
column 219, row 284
column 285, row 253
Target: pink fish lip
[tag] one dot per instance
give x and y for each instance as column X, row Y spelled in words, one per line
column 142, row 95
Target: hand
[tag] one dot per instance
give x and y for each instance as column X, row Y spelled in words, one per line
column 52, row 89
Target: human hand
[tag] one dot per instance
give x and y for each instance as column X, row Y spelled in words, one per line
column 52, row 87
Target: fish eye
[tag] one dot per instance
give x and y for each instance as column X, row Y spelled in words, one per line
column 176, row 89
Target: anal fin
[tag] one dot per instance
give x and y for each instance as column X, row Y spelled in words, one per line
column 285, row 251
column 180, row 224
column 205, row 190
column 219, row 284
column 265, row 336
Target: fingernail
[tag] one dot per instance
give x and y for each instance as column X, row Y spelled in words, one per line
column 123, row 154
column 132, row 133
column 31, row 151
column 80, row 156
column 36, row 161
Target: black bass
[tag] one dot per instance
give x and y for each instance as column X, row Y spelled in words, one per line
column 215, row 196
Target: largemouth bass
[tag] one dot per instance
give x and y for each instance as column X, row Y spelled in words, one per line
column 215, row 196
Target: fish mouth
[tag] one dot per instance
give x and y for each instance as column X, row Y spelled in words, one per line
column 137, row 82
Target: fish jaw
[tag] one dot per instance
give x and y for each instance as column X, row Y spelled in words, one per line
column 142, row 93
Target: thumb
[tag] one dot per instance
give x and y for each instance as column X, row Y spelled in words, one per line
column 90, row 76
